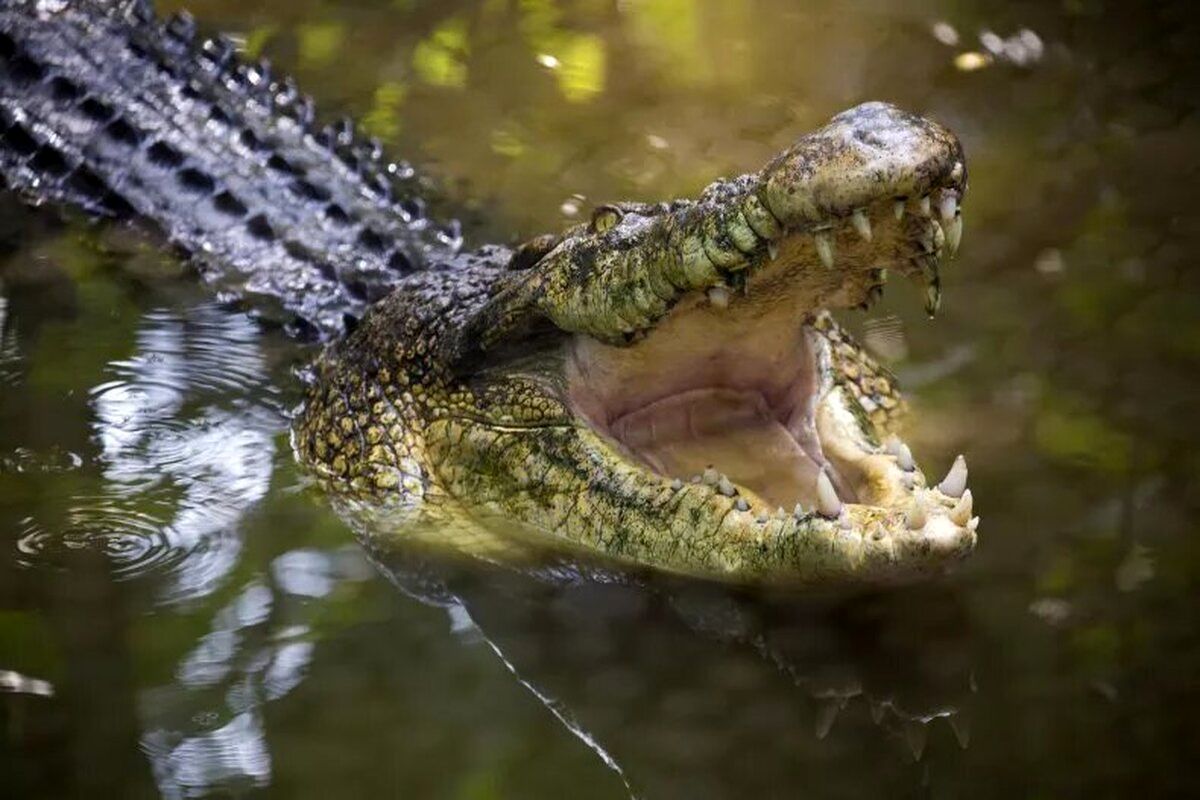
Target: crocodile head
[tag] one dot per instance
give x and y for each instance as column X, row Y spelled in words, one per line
column 664, row 384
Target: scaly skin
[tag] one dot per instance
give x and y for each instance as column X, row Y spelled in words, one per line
column 485, row 400
column 428, row 412
column 106, row 109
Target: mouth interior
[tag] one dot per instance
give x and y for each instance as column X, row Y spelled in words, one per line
column 760, row 433
column 735, row 389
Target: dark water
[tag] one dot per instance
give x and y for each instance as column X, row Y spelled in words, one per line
column 180, row 616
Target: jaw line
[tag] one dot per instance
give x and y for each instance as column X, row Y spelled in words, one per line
column 758, row 342
column 816, row 414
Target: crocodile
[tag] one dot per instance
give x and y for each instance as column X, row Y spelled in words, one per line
column 661, row 387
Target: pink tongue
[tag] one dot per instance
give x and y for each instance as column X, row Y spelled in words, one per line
column 732, row 431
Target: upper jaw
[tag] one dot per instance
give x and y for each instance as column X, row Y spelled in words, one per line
column 872, row 151
column 615, row 281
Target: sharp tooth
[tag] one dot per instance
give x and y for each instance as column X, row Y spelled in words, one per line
column 933, row 298
column 780, row 513
column 904, row 458
column 718, row 297
column 973, row 524
column 931, row 264
column 916, row 735
column 898, row 209
column 949, row 206
column 916, row 515
column 773, row 250
column 954, row 233
column 955, row 482
column 676, row 484
column 960, row 515
column 741, row 505
column 828, row 502
column 726, row 487
column 761, row 519
column 961, row 727
column 956, row 172
column 861, row 223
column 710, row 476
column 798, row 511
column 892, row 445
column 824, row 244
column 924, row 205
column 826, row 715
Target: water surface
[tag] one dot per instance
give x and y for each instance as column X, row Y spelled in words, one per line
column 180, row 616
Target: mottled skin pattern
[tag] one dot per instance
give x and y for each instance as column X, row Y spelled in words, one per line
column 459, row 407
column 403, row 443
column 452, row 396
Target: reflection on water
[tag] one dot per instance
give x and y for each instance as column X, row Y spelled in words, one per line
column 204, row 729
column 182, row 452
column 159, row 438
column 9, row 353
column 206, row 627
column 660, row 680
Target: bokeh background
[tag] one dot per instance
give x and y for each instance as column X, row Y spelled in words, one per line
column 180, row 616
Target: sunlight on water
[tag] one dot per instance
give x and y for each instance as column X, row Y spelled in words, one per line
column 206, row 729
column 180, row 616
column 183, row 455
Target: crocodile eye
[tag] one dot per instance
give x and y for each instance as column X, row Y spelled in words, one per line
column 605, row 217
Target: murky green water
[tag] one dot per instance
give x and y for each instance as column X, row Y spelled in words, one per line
column 183, row 618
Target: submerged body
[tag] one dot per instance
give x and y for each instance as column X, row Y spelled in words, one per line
column 663, row 386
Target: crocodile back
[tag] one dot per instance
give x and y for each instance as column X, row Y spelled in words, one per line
column 107, row 109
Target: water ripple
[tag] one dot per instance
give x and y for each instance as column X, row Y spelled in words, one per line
column 52, row 459
column 205, row 349
column 134, row 541
column 185, row 430
column 204, row 730
column 234, row 754
column 10, row 353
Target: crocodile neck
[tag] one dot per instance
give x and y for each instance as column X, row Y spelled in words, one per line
column 105, row 108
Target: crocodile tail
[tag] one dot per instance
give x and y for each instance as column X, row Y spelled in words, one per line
column 106, row 108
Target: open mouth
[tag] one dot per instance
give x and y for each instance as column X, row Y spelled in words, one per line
column 748, row 387
column 714, row 401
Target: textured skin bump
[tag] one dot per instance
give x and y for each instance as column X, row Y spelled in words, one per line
column 869, row 150
column 104, row 108
column 446, row 399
